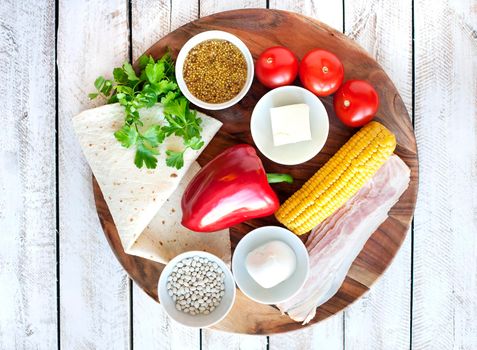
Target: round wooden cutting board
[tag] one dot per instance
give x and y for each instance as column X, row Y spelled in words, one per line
column 260, row 29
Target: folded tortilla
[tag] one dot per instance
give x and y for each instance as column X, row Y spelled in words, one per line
column 165, row 237
column 136, row 197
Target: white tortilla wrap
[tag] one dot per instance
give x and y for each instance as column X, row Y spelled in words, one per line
column 135, row 196
column 165, row 237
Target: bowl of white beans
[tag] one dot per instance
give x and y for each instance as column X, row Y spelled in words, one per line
column 196, row 289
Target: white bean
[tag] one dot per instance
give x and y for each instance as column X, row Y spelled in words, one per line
column 196, row 285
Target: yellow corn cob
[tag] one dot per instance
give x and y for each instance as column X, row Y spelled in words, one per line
column 339, row 179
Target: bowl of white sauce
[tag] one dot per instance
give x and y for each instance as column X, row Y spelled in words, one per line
column 270, row 264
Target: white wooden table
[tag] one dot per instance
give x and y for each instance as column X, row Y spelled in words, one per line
column 61, row 286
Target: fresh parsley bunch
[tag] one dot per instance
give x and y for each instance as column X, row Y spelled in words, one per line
column 155, row 83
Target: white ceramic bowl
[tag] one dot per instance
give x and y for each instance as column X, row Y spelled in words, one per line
column 283, row 290
column 194, row 41
column 293, row 153
column 199, row 320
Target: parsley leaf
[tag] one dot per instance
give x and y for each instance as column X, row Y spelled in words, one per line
column 127, row 136
column 145, row 155
column 154, row 135
column 195, row 143
column 177, row 107
column 182, row 121
column 148, row 97
column 144, row 60
column 120, row 75
column 104, row 86
column 98, row 83
column 155, row 82
column 175, row 159
column 155, row 72
column 171, row 95
column 129, row 70
column 168, row 63
column 164, row 87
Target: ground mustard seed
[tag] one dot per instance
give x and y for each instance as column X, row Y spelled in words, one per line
column 215, row 71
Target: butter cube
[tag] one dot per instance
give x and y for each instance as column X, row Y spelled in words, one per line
column 290, row 124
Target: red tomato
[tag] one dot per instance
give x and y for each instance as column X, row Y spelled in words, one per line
column 356, row 103
column 321, row 72
column 276, row 66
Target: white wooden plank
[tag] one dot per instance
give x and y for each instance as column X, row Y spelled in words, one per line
column 27, row 176
column 384, row 29
column 94, row 313
column 213, row 339
column 329, row 12
column 381, row 319
column 445, row 246
column 152, row 328
column 152, row 19
column 328, row 334
column 209, row 7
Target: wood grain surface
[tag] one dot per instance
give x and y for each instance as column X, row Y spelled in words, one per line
column 151, row 327
column 427, row 294
column 384, row 29
column 330, row 333
column 92, row 285
column 28, row 295
column 247, row 316
column 210, row 338
column 444, row 314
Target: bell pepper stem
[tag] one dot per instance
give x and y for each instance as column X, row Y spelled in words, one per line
column 276, row 178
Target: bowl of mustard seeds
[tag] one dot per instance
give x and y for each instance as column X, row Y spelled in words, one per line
column 214, row 70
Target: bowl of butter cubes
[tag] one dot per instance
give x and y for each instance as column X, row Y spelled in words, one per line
column 289, row 125
column 196, row 289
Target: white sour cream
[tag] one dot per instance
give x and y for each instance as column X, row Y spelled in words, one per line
column 271, row 263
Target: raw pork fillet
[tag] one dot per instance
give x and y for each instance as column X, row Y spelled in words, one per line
column 336, row 242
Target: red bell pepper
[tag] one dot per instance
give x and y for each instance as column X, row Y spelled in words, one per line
column 232, row 188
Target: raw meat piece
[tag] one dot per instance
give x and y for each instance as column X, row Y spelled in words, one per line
column 336, row 242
